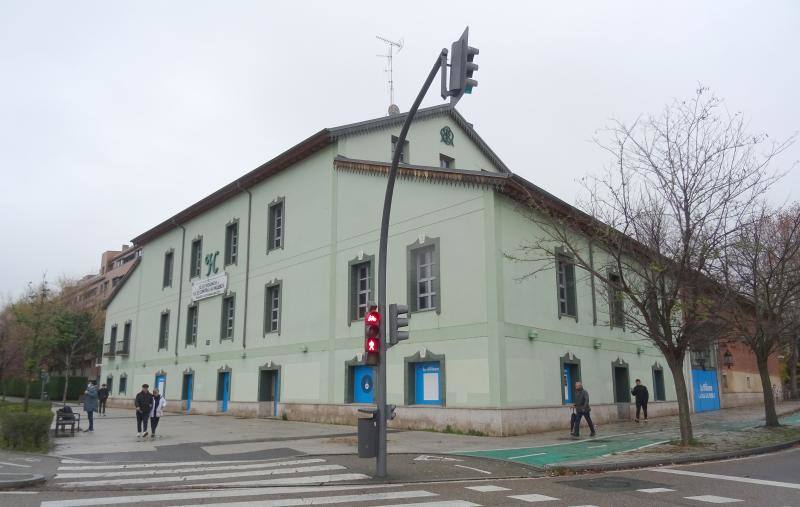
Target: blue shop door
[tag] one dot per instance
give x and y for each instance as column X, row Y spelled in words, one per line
column 188, row 385
column 363, row 384
column 570, row 376
column 706, row 390
column 224, row 390
column 161, row 383
column 427, row 383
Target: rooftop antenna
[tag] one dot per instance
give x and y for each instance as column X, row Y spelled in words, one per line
column 390, row 45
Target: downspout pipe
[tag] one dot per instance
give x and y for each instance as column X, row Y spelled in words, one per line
column 246, row 264
column 180, row 288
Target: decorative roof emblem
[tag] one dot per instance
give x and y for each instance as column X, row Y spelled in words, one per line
column 447, row 136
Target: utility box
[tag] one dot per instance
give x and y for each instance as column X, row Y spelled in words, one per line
column 368, row 436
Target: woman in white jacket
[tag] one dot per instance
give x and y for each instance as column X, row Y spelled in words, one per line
column 159, row 402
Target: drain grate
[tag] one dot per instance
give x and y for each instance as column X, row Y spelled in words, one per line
column 612, row 484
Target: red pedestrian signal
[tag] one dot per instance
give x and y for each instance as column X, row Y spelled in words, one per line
column 372, row 338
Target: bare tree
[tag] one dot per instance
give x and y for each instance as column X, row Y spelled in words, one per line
column 654, row 221
column 760, row 277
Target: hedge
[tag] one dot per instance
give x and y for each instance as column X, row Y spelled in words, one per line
column 25, row 430
column 55, row 388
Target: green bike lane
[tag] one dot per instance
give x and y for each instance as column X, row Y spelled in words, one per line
column 553, row 454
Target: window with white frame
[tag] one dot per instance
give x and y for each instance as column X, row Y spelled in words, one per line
column 192, row 317
column 196, row 258
column 163, row 331
column 228, row 317
column 424, row 276
column 277, row 220
column 272, row 308
column 360, row 288
column 565, row 278
column 231, row 243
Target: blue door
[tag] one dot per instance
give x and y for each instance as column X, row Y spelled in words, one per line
column 706, row 390
column 224, row 390
column 427, row 383
column 161, row 383
column 363, row 384
column 188, row 381
column 568, row 383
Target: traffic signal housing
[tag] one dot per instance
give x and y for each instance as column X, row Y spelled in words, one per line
column 372, row 338
column 398, row 319
column 462, row 66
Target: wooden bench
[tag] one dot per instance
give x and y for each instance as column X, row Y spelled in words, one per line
column 67, row 419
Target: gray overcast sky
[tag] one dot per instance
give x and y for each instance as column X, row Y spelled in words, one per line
column 115, row 115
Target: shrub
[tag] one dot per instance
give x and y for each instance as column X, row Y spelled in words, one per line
column 25, row 430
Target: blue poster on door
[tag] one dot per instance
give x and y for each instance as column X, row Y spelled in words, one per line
column 363, row 384
column 427, row 383
column 706, row 390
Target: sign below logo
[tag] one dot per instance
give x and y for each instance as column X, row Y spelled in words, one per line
column 209, row 287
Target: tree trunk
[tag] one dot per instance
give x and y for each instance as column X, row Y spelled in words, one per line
column 793, row 368
column 66, row 380
column 771, row 416
column 27, row 393
column 684, row 412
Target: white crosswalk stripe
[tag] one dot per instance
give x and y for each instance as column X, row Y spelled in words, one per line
column 251, row 466
column 324, row 500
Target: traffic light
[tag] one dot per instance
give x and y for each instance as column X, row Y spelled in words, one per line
column 462, row 67
column 398, row 318
column 372, row 338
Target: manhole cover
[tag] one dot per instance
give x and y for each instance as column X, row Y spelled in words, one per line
column 611, row 484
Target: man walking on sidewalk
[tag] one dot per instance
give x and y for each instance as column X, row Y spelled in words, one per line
column 642, row 397
column 102, row 396
column 143, row 403
column 583, row 409
column 90, row 403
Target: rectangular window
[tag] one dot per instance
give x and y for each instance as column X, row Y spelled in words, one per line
column 110, row 384
column 272, row 308
column 231, row 243
column 126, row 332
column 191, row 325
column 113, row 333
column 567, row 301
column 403, row 153
column 123, row 385
column 446, row 162
column 276, row 222
column 163, row 331
column 423, row 276
column 616, row 309
column 196, row 258
column 659, row 393
column 228, row 317
column 360, row 289
column 168, row 259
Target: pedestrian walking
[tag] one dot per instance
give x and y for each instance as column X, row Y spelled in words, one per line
column 102, row 397
column 582, row 409
column 642, row 397
column 143, row 404
column 159, row 402
column 90, row 403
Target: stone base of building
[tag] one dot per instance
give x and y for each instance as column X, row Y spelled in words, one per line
column 731, row 400
column 486, row 421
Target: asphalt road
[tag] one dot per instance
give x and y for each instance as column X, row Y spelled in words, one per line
column 769, row 480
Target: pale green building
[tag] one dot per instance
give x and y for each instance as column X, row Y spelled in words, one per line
column 251, row 301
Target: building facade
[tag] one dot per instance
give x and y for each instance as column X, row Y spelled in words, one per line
column 251, row 301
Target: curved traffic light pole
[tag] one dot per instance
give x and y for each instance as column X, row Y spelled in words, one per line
column 382, row 253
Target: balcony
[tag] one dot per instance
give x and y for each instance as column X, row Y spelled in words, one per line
column 123, row 347
column 109, row 349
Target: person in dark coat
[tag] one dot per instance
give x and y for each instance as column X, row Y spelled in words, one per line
column 642, row 397
column 90, row 403
column 143, row 404
column 582, row 409
column 102, row 397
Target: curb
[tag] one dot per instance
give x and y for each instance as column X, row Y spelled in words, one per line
column 679, row 460
column 14, row 481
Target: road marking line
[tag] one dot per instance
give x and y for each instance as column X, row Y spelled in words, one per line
column 572, row 442
column 14, row 464
column 596, row 446
column 186, row 463
column 322, row 500
column 642, row 447
column 202, row 477
column 476, row 469
column 761, row 482
column 713, row 499
column 208, row 494
column 18, row 492
column 78, row 475
column 654, row 490
column 286, row 481
column 527, row 455
column 443, row 503
column 487, row 489
column 533, row 498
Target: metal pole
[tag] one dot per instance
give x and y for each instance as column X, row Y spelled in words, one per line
column 382, row 251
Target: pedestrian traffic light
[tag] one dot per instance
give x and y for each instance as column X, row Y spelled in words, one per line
column 372, row 338
column 398, row 318
column 462, row 67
